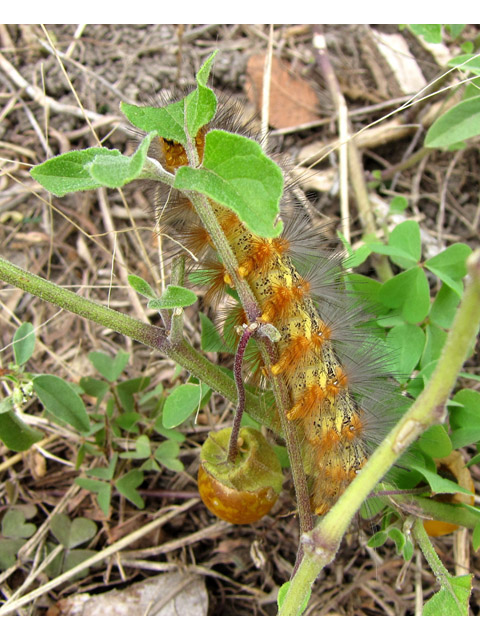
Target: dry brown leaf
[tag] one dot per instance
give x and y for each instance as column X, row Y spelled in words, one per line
column 293, row 102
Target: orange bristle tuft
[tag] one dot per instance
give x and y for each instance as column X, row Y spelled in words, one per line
column 312, row 396
column 335, row 385
column 292, row 355
column 354, row 429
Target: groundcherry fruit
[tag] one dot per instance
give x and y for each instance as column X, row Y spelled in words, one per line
column 245, row 490
column 454, row 465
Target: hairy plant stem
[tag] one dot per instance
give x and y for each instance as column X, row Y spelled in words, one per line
column 431, row 556
column 322, row 543
column 155, row 337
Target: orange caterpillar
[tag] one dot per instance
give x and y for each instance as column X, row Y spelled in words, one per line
column 332, row 368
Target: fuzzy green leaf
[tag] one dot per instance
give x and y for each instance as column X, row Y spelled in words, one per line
column 15, row 434
column 69, row 172
column 452, row 601
column 459, row 123
column 167, row 122
column 141, row 286
column 200, row 107
column 110, row 368
column 23, row 343
column 116, row 171
column 236, row 174
column 173, row 297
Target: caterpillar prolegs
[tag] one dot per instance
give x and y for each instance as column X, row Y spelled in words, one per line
column 334, row 368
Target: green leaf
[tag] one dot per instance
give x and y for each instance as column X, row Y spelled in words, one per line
column 450, row 265
column 105, row 473
column 398, row 204
column 75, row 557
column 406, row 343
column 466, row 62
column 435, row 442
column 378, row 539
column 459, row 123
column 128, row 484
column 452, row 600
column 128, row 421
column 431, row 32
column 408, row 291
column 167, row 122
column 435, row 340
column 444, row 307
column 116, row 171
column 93, row 387
column 102, row 489
column 167, row 455
column 72, row 533
column 141, row 286
column 408, row 550
column 455, row 29
column 398, row 538
column 180, row 404
column 237, row 174
column 200, row 107
column 59, row 399
column 437, row 483
column 171, row 434
column 406, row 236
column 126, row 390
column 204, row 72
column 8, row 552
column 69, row 172
column 142, row 449
column 464, row 420
column 173, row 297
column 110, row 368
column 23, row 343
column 476, row 537
column 14, row 525
column 15, row 434
column 211, row 340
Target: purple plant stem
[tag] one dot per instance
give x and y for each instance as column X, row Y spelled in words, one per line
column 237, row 375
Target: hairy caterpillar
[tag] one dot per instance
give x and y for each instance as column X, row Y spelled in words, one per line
column 334, row 368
